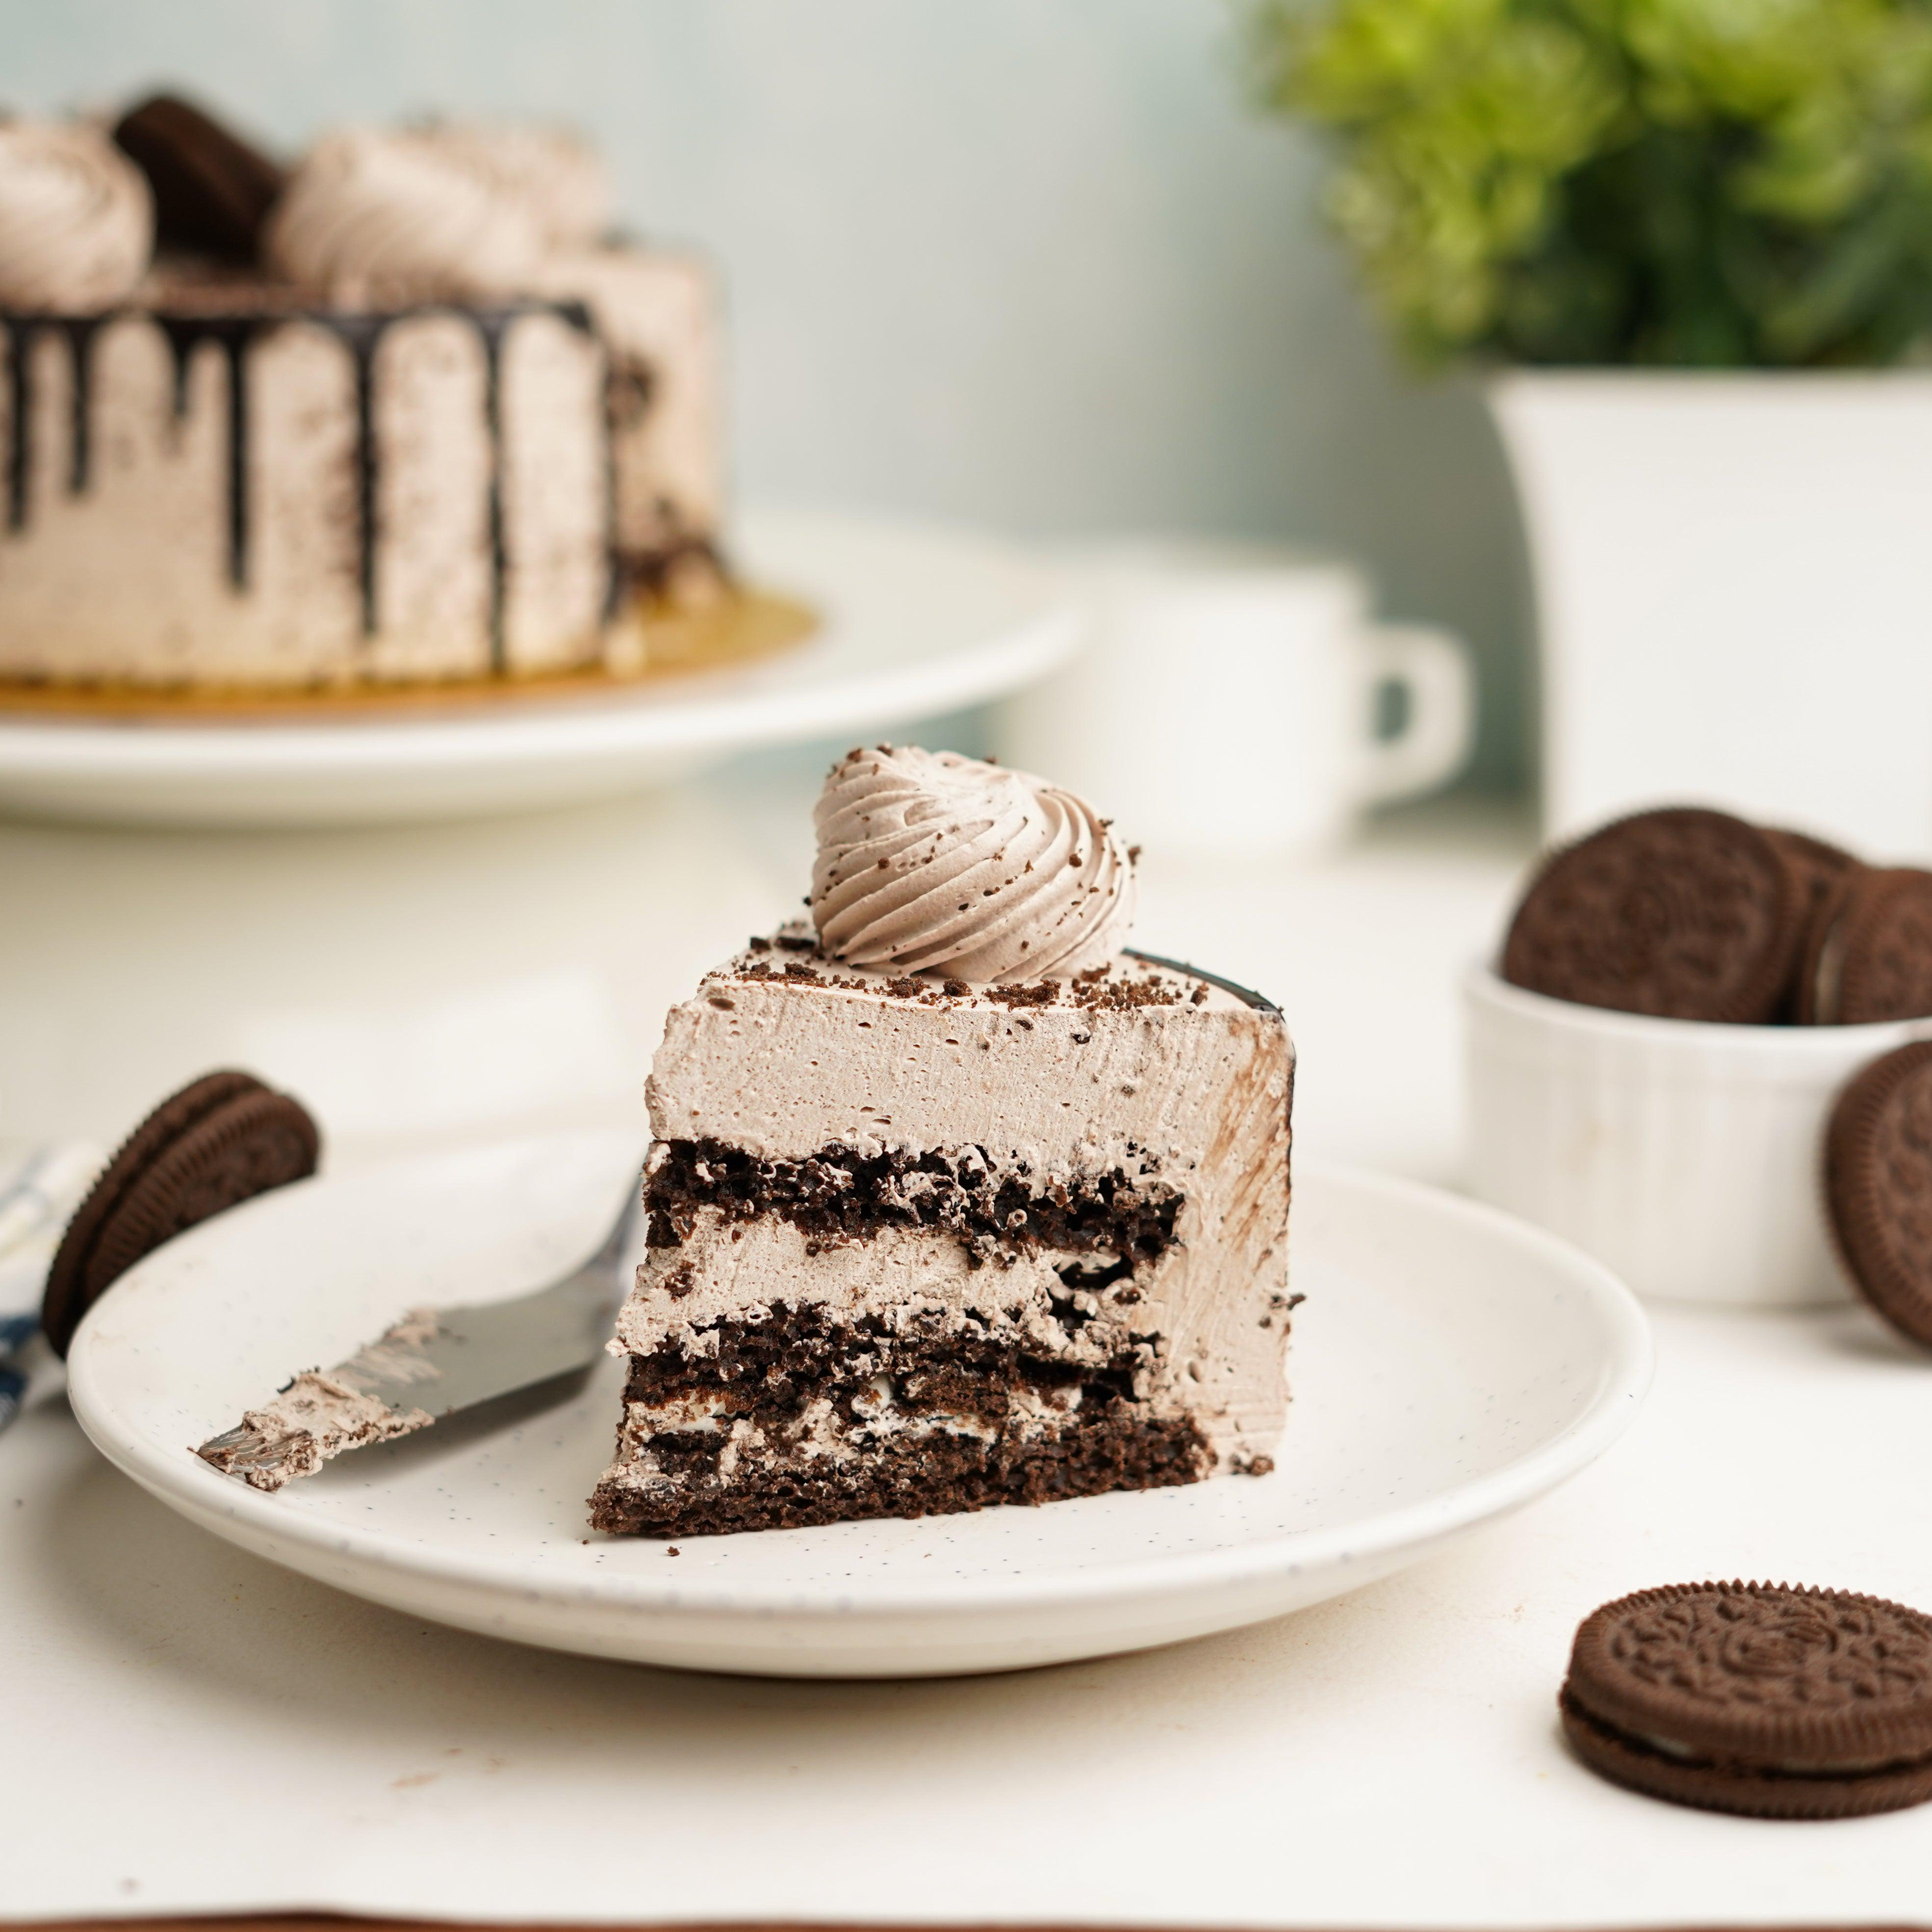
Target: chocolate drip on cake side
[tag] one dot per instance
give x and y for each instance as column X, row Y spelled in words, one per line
column 490, row 330
column 231, row 335
column 80, row 331
column 578, row 316
column 362, row 336
column 183, row 333
column 22, row 331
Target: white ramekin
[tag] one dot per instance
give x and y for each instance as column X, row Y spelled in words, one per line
column 1684, row 1157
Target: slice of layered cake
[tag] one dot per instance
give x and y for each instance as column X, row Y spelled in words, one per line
column 952, row 1201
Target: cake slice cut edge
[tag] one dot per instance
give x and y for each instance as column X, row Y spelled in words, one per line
column 918, row 1247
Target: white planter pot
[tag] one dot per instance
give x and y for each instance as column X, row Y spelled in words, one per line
column 1733, row 579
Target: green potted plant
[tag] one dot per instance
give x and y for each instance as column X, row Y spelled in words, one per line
column 1689, row 244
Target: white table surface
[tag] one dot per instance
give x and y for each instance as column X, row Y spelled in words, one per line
column 186, row 1728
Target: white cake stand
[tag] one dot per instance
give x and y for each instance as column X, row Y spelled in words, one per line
column 917, row 620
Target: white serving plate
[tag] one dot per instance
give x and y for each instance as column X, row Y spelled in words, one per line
column 917, row 620
column 1450, row 1364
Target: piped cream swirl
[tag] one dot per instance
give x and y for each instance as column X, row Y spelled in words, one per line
column 375, row 216
column 548, row 171
column 931, row 861
column 77, row 218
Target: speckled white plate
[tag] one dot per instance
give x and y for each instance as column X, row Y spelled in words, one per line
column 1450, row 1365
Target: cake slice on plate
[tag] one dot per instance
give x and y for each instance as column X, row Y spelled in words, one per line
column 952, row 1201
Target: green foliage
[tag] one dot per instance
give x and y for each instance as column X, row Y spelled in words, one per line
column 1710, row 183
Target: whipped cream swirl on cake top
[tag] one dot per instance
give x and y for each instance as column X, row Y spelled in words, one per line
column 377, row 216
column 77, row 218
column 547, row 171
column 928, row 861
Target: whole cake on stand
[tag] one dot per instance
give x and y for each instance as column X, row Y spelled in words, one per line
column 402, row 414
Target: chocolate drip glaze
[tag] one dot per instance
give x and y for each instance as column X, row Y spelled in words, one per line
column 490, row 329
column 21, row 332
column 578, row 316
column 361, row 335
column 231, row 334
column 80, row 330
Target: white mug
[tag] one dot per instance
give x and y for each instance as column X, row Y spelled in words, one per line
column 1225, row 702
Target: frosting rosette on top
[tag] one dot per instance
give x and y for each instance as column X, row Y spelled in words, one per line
column 77, row 218
column 374, row 216
column 547, row 170
column 931, row 861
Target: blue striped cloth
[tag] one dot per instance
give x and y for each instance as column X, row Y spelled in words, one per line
column 39, row 1189
column 15, row 1330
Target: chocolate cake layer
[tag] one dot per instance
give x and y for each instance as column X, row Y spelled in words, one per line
column 840, row 1194
column 801, row 1418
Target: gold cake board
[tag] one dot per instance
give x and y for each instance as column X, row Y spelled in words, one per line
column 660, row 645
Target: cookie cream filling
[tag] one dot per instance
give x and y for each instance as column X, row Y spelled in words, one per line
column 1830, row 976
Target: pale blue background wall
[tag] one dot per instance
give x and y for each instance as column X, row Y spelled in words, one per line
column 1030, row 262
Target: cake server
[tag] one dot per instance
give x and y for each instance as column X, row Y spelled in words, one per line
column 434, row 1363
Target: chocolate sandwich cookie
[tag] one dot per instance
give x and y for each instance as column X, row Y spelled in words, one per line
column 1868, row 955
column 1682, row 914
column 221, row 1140
column 212, row 191
column 1760, row 1698
column 1819, row 867
column 1878, row 1185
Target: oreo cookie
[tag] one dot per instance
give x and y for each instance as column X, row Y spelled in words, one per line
column 1878, row 1185
column 221, row 1140
column 1868, row 954
column 1819, row 868
column 1684, row 913
column 1759, row 1698
column 212, row 190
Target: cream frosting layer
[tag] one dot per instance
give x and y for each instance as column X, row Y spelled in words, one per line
column 931, row 861
column 77, row 218
column 782, row 1067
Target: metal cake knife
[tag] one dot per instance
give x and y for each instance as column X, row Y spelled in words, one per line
column 433, row 1363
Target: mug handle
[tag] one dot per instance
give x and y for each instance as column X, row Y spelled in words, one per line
column 1436, row 740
